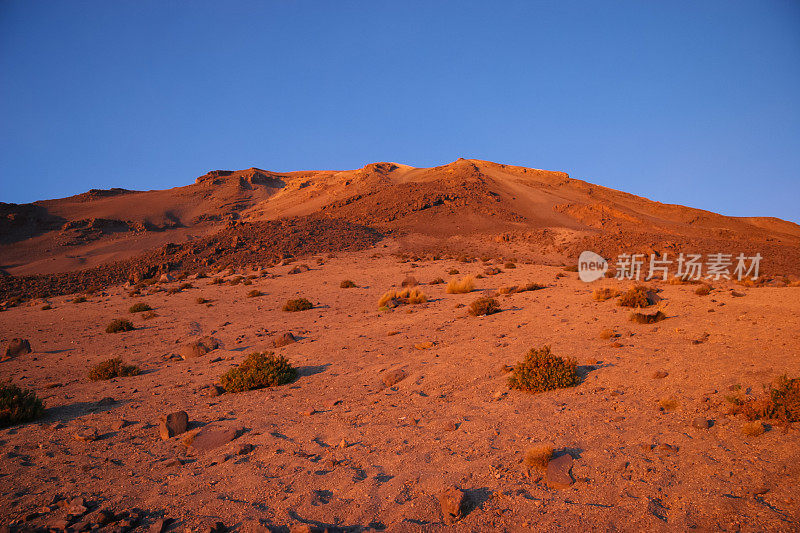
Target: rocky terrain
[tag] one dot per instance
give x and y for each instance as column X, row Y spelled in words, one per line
column 399, row 414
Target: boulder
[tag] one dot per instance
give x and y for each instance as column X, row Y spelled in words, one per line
column 393, row 377
column 198, row 348
column 17, row 347
column 558, row 472
column 453, row 502
column 173, row 424
column 283, row 340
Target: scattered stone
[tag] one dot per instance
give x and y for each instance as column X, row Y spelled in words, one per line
column 299, row 269
column 558, row 472
column 701, row 422
column 158, row 526
column 245, row 448
column 53, row 385
column 427, row 345
column 199, row 347
column 17, row 347
column 86, row 434
column 173, row 424
column 410, row 281
column 166, row 278
column 105, row 402
column 393, row 377
column 116, row 425
column 660, row 374
column 103, row 517
column 453, row 502
column 284, row 340
column 451, row 425
column 213, row 436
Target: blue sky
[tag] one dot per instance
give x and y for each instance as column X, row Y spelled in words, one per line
column 690, row 102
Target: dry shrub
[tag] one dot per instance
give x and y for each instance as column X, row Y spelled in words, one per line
column 393, row 298
column 780, row 402
column 462, row 286
column 541, row 371
column 484, row 306
column 637, row 296
column 537, row 457
column 298, row 304
column 255, row 293
column 139, row 308
column 186, row 286
column 347, row 284
column 174, row 290
column 491, row 271
column 601, row 295
column 118, row 325
column 257, row 371
column 703, row 290
column 18, row 405
column 647, row 318
column 216, row 281
column 513, row 289
column 112, row 368
column 682, row 280
column 149, row 315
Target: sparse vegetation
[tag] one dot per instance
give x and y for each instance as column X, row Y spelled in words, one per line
column 541, row 371
column 462, row 286
column 257, row 371
column 393, row 298
column 112, row 368
column 255, row 293
column 216, row 281
column 347, row 284
column 18, row 405
column 297, row 304
column 647, row 318
column 118, row 325
column 637, row 296
column 186, row 285
column 140, row 307
column 780, row 402
column 605, row 293
column 149, row 315
column 484, row 306
column 537, row 457
column 513, row 289
column 173, row 290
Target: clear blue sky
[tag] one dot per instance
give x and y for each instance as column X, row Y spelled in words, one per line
column 690, row 102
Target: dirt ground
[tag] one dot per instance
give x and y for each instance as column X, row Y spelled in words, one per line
column 339, row 449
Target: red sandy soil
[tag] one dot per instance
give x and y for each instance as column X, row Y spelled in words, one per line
column 338, row 448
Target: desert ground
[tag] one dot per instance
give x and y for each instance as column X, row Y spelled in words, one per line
column 648, row 429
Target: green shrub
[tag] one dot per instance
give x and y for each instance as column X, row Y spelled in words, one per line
column 119, row 324
column 112, row 368
column 18, row 405
column 542, row 371
column 259, row 370
column 347, row 284
column 484, row 306
column 298, row 304
column 139, row 308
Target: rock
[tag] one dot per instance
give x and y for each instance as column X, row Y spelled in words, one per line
column 173, row 424
column 17, row 347
column 116, row 425
column 284, row 340
column 158, row 526
column 701, row 422
column 103, row 517
column 453, row 502
column 216, row 527
column 558, row 472
column 166, row 278
column 199, row 347
column 86, row 434
column 410, row 281
column 392, row 377
column 451, row 425
column 105, row 402
column 213, row 436
column 660, row 374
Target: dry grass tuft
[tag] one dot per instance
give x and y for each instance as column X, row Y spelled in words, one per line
column 462, row 286
column 541, row 371
column 537, row 457
column 149, row 315
column 112, row 368
column 347, row 284
column 513, row 289
column 18, row 405
column 453, row 272
column 484, row 306
column 255, row 293
column 298, row 304
column 394, row 298
column 647, row 318
column 606, row 293
column 118, row 325
column 637, row 296
column 139, row 308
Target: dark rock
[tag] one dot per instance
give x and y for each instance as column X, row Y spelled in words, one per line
column 284, row 340
column 199, row 347
column 173, row 424
column 453, row 503
column 17, row 347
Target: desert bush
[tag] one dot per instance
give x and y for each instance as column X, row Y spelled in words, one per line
column 118, row 325
column 605, row 293
column 647, row 318
column 236, row 280
column 347, row 284
column 784, row 400
column 462, row 286
column 257, row 371
column 491, row 271
column 541, row 371
column 538, row 457
column 513, row 289
column 79, row 300
column 703, row 290
column 112, row 368
column 139, row 308
column 149, row 315
column 247, row 282
column 173, row 290
column 393, row 298
column 637, row 296
column 255, row 293
column 297, row 304
column 18, row 405
column 484, row 306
